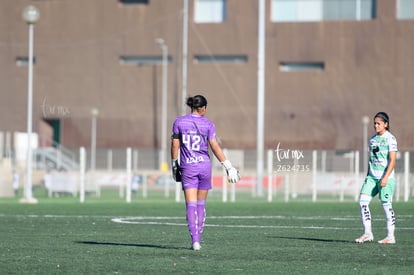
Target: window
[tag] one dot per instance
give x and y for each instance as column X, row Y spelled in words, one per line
column 202, row 59
column 292, row 10
column 210, row 11
column 405, row 9
column 134, row 2
column 142, row 60
column 322, row 10
column 301, row 66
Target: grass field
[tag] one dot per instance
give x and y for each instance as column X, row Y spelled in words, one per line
column 62, row 236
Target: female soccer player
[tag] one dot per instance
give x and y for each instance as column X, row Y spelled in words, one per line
column 191, row 136
column 380, row 179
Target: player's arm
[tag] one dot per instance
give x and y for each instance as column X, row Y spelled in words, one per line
column 392, row 159
column 175, row 146
column 175, row 166
column 232, row 173
column 216, row 149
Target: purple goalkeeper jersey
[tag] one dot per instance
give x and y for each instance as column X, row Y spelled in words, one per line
column 194, row 132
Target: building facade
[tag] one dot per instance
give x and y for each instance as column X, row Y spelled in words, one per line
column 327, row 66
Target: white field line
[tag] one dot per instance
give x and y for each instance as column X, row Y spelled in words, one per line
column 142, row 220
column 166, row 220
column 120, row 220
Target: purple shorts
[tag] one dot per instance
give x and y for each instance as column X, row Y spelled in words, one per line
column 196, row 176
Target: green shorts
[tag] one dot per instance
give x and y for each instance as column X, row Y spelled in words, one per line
column 372, row 187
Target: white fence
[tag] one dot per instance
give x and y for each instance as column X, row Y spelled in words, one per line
column 292, row 175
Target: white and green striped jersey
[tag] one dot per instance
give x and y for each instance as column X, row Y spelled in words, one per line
column 380, row 147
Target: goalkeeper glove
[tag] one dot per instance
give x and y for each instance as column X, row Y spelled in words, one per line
column 233, row 174
column 176, row 170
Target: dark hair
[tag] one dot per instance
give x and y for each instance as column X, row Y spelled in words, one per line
column 384, row 117
column 196, row 102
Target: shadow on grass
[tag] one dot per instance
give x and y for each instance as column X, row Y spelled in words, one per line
column 313, row 239
column 131, row 244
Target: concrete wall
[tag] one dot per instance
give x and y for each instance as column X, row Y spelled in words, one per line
column 78, row 43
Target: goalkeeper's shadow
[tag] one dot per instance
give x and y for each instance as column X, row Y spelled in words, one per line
column 311, row 239
column 130, row 245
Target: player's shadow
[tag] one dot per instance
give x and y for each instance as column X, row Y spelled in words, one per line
column 312, row 239
column 129, row 244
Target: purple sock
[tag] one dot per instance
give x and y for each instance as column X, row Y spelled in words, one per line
column 201, row 211
column 192, row 220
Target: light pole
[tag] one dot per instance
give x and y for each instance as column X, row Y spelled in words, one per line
column 163, row 159
column 94, row 113
column 365, row 121
column 261, row 76
column 30, row 15
column 185, row 57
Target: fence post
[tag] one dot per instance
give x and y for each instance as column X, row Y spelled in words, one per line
column 128, row 174
column 109, row 160
column 406, row 176
column 356, row 175
column 82, row 174
column 177, row 191
column 178, row 188
column 167, row 180
column 224, row 187
column 233, row 192
column 269, row 175
column 314, row 161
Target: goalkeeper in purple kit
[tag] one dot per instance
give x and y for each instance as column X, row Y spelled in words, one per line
column 192, row 134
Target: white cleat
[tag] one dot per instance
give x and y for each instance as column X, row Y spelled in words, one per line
column 367, row 237
column 196, row 246
column 388, row 240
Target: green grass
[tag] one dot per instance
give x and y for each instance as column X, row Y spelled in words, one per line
column 62, row 236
